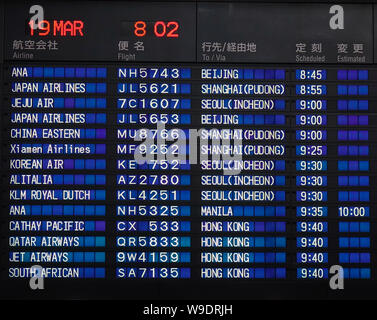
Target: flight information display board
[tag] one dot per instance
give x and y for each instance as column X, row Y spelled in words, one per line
column 188, row 150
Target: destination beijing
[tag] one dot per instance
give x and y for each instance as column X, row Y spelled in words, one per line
column 221, row 74
column 247, row 74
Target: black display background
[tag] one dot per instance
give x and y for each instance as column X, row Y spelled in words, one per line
column 196, row 288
